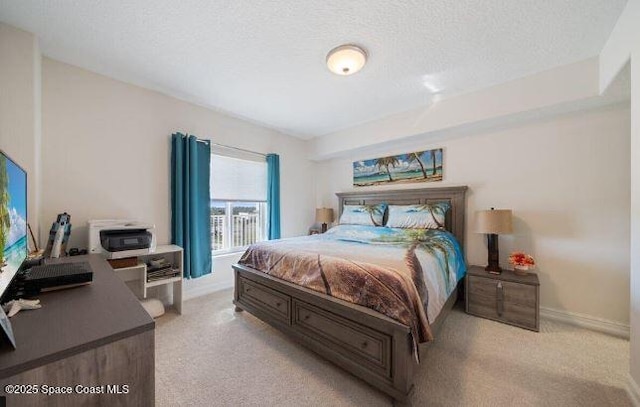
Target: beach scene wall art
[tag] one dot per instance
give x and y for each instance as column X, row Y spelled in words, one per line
column 420, row 166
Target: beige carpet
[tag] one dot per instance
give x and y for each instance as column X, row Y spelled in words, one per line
column 211, row 356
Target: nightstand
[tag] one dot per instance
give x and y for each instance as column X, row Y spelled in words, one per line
column 506, row 297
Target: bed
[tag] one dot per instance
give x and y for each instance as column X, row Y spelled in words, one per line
column 367, row 337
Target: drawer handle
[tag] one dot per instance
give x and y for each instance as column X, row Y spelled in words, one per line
column 306, row 317
column 500, row 299
column 248, row 289
column 278, row 304
column 364, row 344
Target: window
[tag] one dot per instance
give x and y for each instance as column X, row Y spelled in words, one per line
column 238, row 200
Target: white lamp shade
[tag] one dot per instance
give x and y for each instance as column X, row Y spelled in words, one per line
column 346, row 59
column 324, row 215
column 494, row 221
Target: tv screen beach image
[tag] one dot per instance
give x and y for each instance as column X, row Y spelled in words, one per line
column 13, row 214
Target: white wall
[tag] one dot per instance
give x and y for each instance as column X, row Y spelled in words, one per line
column 20, row 108
column 566, row 180
column 635, row 221
column 622, row 47
column 106, row 154
column 551, row 91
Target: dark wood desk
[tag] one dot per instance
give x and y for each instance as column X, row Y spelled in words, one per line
column 93, row 336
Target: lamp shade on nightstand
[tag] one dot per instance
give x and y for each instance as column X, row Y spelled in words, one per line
column 324, row 216
column 493, row 222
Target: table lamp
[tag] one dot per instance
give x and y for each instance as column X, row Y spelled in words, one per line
column 493, row 222
column 324, row 216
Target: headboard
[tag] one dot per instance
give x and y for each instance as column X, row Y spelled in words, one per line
column 454, row 221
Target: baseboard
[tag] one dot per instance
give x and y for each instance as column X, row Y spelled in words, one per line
column 204, row 289
column 221, row 278
column 586, row 321
column 634, row 391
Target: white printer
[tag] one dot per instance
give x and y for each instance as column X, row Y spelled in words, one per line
column 117, row 239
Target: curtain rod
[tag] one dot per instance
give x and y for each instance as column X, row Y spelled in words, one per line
column 228, row 147
column 238, row 149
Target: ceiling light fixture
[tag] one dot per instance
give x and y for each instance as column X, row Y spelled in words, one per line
column 346, row 59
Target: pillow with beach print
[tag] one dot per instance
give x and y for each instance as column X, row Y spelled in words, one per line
column 427, row 216
column 371, row 215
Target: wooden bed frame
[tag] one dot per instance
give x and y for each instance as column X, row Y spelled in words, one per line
column 366, row 343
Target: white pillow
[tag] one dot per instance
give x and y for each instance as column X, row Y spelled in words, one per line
column 428, row 216
column 371, row 215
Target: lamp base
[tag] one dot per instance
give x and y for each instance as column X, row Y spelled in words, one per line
column 493, row 259
column 324, row 227
column 493, row 269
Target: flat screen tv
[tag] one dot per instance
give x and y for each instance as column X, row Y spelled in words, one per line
column 13, row 219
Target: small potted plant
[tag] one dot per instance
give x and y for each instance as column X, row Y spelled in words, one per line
column 521, row 262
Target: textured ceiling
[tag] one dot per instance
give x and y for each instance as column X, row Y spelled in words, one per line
column 264, row 60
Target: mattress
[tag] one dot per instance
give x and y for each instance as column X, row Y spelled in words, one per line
column 405, row 274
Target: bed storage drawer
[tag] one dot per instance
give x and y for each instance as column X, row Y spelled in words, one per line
column 343, row 336
column 270, row 301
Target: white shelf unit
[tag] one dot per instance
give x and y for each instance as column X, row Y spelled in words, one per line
column 136, row 276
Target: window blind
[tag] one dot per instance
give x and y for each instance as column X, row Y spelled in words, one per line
column 235, row 179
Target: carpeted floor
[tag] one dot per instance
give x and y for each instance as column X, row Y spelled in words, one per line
column 211, row 356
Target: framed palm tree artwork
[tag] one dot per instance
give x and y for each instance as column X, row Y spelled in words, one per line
column 419, row 166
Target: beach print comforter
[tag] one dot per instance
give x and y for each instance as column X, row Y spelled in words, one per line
column 405, row 274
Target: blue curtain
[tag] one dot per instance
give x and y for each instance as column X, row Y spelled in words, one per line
column 190, row 196
column 273, row 195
